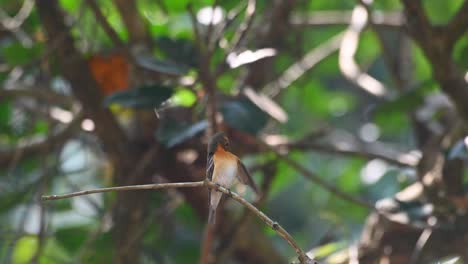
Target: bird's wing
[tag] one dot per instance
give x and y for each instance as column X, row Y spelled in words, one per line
column 244, row 176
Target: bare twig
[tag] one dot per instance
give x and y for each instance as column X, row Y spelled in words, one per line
column 437, row 49
column 244, row 27
column 306, row 63
column 315, row 178
column 218, row 34
column 348, row 49
column 104, row 23
column 49, row 96
column 422, row 240
column 458, row 25
column 368, row 151
column 343, row 18
column 199, row 184
column 34, row 146
column 208, row 238
column 209, row 31
column 227, row 245
column 206, row 76
column 13, row 24
column 127, row 188
column 196, row 31
column 239, row 37
column 133, row 21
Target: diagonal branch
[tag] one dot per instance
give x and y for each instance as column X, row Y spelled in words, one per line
column 36, row 145
column 314, row 177
column 458, row 25
column 438, row 51
column 391, row 19
column 104, row 23
column 295, row 71
column 303, row 258
column 348, row 49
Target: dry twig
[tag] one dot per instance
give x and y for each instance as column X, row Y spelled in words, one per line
column 303, row 258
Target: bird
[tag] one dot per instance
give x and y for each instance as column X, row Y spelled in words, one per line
column 223, row 168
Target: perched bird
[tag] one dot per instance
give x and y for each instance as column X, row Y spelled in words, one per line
column 223, row 168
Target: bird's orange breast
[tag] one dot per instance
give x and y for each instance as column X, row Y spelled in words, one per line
column 222, row 154
column 225, row 167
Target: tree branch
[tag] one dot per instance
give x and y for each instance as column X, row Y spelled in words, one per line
column 133, row 21
column 36, row 145
column 458, row 25
column 104, row 23
column 348, row 49
column 437, row 49
column 315, row 178
column 295, row 71
column 303, row 258
column 343, row 18
column 206, row 76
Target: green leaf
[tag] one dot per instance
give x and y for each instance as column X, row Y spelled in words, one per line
column 17, row 54
column 179, row 50
column 146, row 97
column 157, row 65
column 103, row 250
column 244, row 115
column 328, row 249
column 173, row 133
column 71, row 238
column 184, row 97
column 25, row 249
column 5, row 114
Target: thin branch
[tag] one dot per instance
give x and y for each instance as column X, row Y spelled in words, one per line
column 208, row 238
column 315, row 178
column 133, row 21
column 126, row 188
column 438, row 51
column 104, row 23
column 368, row 151
column 209, row 31
column 390, row 19
column 303, row 258
column 13, row 24
column 306, row 63
column 48, row 96
column 196, row 31
column 218, row 34
column 227, row 244
column 239, row 37
column 34, row 145
column 206, row 76
column 348, row 49
column 241, row 33
column 458, row 25
column 422, row 241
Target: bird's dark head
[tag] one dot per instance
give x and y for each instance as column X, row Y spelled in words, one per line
column 219, row 139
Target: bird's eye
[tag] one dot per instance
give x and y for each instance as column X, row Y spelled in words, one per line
column 226, row 144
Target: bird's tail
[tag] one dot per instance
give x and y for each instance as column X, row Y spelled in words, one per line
column 215, row 197
column 212, row 216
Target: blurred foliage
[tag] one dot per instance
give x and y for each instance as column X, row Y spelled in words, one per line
column 77, row 228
